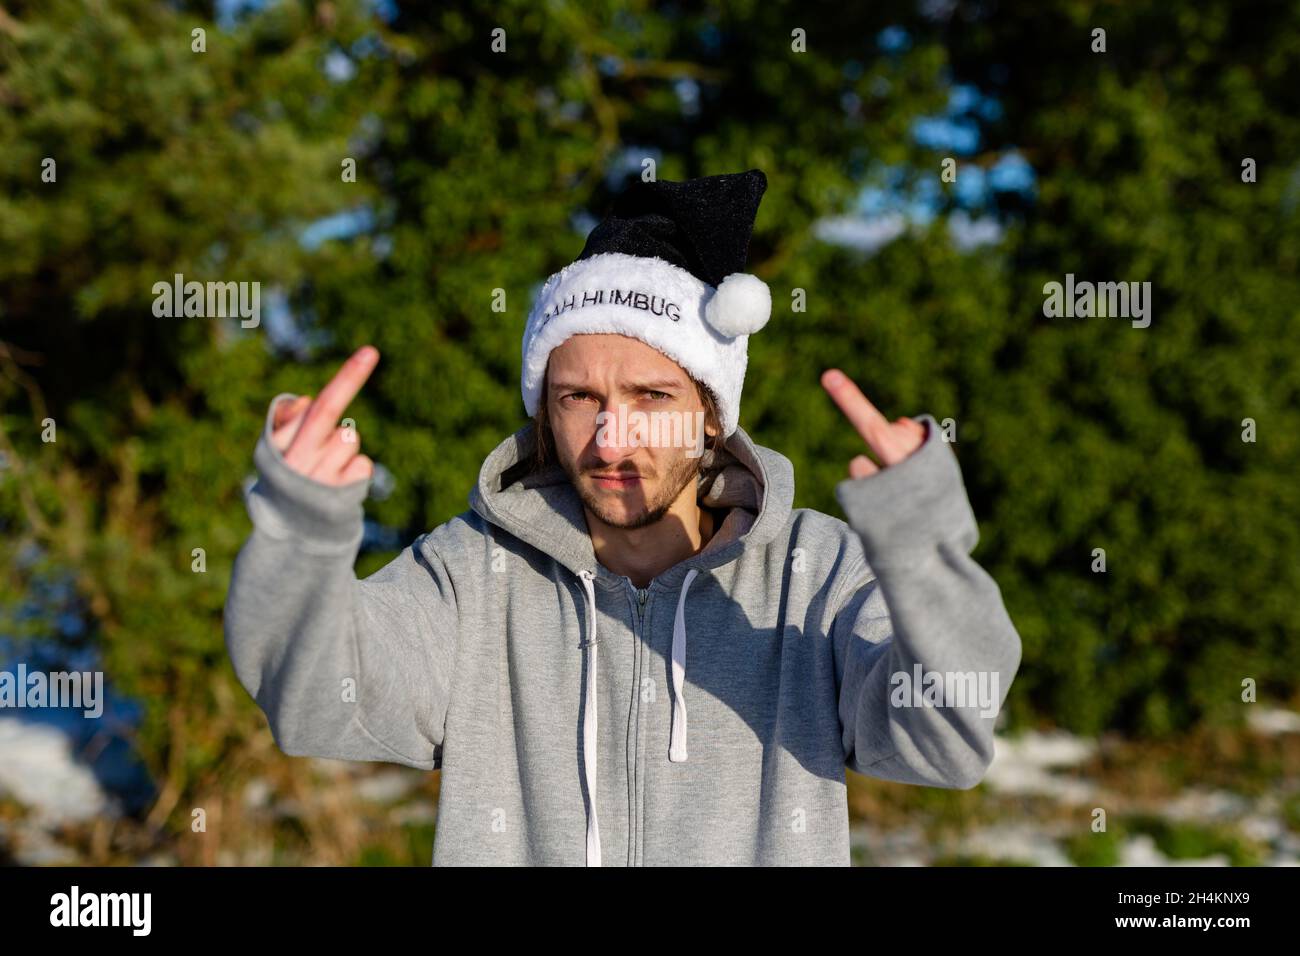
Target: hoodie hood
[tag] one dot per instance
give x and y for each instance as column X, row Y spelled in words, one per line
column 541, row 507
column 755, row 485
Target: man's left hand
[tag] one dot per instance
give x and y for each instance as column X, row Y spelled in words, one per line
column 890, row 441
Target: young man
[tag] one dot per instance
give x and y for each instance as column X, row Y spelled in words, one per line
column 628, row 652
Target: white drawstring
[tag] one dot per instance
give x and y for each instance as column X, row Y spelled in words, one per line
column 589, row 739
column 677, row 741
column 677, row 746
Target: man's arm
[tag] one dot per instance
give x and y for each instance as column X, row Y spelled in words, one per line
column 343, row 668
column 917, row 599
column 920, row 599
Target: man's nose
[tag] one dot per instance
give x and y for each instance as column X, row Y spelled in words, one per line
column 618, row 435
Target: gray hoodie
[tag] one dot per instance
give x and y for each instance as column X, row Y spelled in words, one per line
column 705, row 719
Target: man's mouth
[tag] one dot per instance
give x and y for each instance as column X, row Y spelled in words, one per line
column 616, row 480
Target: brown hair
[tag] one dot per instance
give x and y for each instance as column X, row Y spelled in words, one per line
column 545, row 451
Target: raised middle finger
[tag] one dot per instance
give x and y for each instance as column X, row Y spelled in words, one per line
column 866, row 419
column 324, row 414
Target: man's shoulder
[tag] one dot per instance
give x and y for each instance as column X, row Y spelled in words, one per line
column 467, row 534
column 811, row 524
column 826, row 540
column 459, row 535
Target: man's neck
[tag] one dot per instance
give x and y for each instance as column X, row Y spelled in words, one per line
column 643, row 553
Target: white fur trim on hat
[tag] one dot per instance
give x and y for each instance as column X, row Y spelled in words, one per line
column 659, row 303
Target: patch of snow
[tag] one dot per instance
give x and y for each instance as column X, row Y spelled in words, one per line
column 1198, row 804
column 1273, row 720
column 32, row 846
column 1029, row 844
column 1022, row 765
column 40, row 771
column 386, row 786
column 1141, row 850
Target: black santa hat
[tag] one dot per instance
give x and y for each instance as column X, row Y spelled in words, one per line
column 665, row 266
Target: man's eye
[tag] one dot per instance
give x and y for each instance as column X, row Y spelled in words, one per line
column 658, row 396
column 578, row 395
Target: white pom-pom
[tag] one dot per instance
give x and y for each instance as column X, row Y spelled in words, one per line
column 741, row 305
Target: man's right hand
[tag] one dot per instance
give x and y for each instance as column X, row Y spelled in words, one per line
column 307, row 432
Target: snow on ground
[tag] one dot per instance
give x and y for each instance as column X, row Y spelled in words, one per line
column 1025, row 765
column 40, row 771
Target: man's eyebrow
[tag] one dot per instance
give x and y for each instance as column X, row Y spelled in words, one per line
column 657, row 385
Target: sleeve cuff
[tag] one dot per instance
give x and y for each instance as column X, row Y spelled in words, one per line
column 904, row 511
column 285, row 503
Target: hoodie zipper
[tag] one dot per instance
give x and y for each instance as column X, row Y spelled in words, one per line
column 635, row 824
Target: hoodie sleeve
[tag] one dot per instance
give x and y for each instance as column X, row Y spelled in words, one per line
column 343, row 668
column 919, row 605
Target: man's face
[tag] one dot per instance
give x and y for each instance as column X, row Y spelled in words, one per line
column 623, row 484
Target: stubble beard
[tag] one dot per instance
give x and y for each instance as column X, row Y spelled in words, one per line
column 682, row 472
